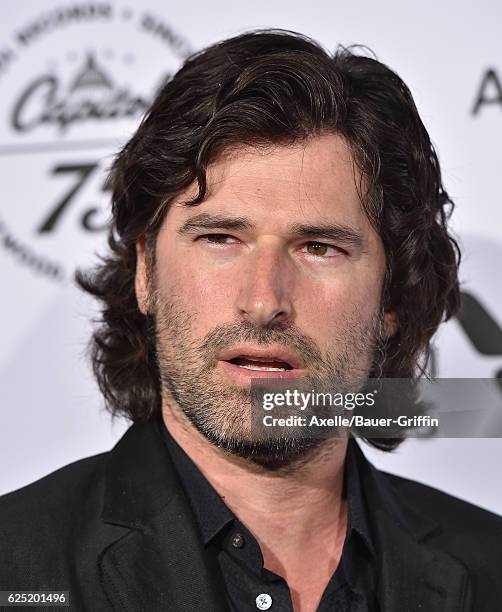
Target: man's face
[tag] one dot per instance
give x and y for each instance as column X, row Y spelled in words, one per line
column 278, row 273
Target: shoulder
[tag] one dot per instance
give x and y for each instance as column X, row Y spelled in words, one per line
column 440, row 524
column 449, row 511
column 468, row 532
column 44, row 524
column 56, row 495
column 423, row 507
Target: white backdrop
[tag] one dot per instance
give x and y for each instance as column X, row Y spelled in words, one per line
column 74, row 80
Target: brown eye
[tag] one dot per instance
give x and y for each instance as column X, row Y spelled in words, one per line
column 319, row 249
column 316, row 248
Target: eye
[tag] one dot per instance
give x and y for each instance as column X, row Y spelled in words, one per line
column 220, row 239
column 321, row 249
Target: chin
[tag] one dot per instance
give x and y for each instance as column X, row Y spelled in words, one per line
column 272, row 455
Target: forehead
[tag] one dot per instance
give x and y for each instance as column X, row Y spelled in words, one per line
column 315, row 179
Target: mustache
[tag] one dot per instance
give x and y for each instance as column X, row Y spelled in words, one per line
column 287, row 335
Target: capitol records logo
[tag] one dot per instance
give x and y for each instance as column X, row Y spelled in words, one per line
column 75, row 82
column 90, row 95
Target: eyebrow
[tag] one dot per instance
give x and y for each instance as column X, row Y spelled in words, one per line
column 207, row 221
column 329, row 231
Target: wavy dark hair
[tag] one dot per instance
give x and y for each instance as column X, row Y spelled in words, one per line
column 276, row 86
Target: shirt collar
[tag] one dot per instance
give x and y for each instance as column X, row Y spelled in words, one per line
column 212, row 515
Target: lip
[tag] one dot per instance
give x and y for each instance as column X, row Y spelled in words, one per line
column 243, row 376
column 270, row 353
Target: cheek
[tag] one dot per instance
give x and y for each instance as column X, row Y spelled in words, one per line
column 332, row 308
column 205, row 298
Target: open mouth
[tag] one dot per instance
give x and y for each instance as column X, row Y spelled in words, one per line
column 261, row 365
column 245, row 363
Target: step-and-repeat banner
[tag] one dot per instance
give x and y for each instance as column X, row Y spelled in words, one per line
column 75, row 80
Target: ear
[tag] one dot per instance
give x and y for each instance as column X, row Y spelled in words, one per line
column 390, row 324
column 141, row 277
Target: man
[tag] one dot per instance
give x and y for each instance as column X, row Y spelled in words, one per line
column 278, row 214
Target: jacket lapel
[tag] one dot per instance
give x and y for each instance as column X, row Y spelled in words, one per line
column 158, row 563
column 412, row 575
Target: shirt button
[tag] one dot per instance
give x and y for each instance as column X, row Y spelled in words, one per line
column 238, row 541
column 263, row 601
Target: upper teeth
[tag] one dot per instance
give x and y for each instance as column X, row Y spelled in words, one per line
column 268, row 369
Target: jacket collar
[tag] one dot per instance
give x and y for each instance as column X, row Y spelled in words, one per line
column 412, row 573
column 159, row 561
column 140, row 480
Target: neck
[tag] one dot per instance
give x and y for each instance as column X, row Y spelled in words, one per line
column 282, row 509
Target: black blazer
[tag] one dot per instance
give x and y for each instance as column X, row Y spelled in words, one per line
column 116, row 530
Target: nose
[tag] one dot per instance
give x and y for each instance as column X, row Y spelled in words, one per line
column 264, row 296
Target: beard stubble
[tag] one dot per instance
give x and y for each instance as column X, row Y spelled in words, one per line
column 221, row 411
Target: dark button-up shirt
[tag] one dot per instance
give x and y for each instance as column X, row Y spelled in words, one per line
column 237, row 554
